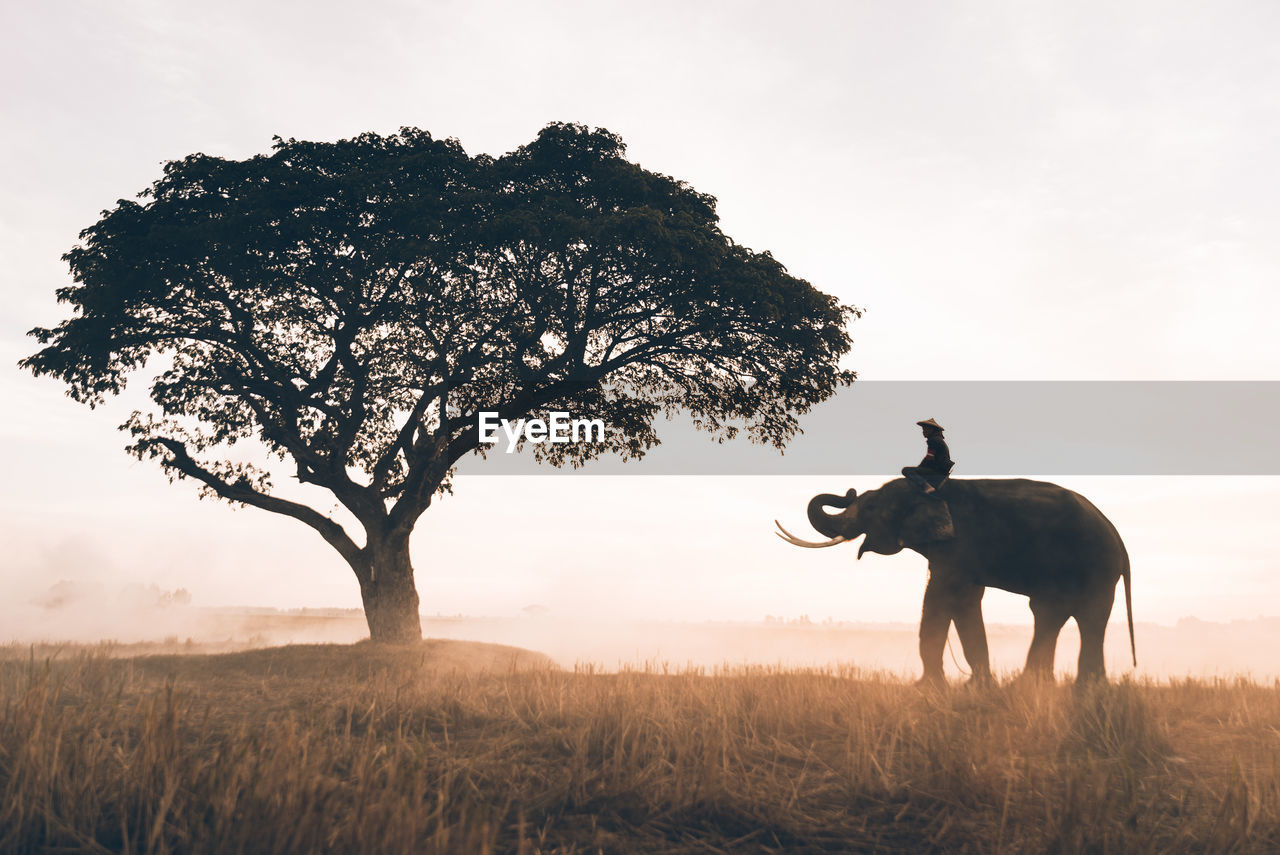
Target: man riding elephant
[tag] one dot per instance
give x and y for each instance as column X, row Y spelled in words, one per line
column 937, row 463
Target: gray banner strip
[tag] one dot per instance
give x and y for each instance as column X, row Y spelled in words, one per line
column 993, row 428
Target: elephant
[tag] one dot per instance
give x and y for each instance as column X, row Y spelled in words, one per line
column 1029, row 537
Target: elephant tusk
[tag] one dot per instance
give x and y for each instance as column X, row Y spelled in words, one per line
column 792, row 539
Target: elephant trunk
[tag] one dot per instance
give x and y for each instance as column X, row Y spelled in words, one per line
column 831, row 525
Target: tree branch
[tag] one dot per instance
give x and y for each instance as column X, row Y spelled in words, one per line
column 332, row 532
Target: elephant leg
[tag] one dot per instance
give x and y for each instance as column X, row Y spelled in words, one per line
column 973, row 634
column 1092, row 620
column 935, row 623
column 1044, row 642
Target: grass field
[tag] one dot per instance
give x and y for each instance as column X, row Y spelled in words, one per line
column 457, row 747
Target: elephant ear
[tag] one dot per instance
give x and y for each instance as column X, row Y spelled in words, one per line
column 928, row 522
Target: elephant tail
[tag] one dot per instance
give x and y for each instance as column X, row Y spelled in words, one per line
column 1128, row 609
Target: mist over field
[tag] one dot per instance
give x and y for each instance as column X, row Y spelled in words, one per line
column 140, row 620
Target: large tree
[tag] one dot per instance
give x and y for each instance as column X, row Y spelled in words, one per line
column 352, row 306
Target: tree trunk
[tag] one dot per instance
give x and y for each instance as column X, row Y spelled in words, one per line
column 390, row 597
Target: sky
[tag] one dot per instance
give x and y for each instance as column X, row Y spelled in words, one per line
column 1011, row 191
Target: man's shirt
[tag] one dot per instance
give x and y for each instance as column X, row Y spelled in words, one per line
column 937, row 456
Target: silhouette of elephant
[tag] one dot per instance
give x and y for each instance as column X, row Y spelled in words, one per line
column 1028, row 537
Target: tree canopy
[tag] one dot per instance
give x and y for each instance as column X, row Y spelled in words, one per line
column 353, row 305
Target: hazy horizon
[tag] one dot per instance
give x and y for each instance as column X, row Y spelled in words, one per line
column 144, row 621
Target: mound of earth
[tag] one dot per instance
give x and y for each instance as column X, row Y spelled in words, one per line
column 361, row 661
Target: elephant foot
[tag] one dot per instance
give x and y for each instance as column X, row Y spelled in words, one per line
column 931, row 683
column 1034, row 677
column 980, row 681
column 1088, row 681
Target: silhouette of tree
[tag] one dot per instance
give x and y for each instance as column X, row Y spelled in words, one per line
column 353, row 305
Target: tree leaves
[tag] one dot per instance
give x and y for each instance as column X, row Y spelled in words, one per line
column 353, row 305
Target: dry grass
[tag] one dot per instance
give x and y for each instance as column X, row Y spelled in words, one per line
column 469, row 748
